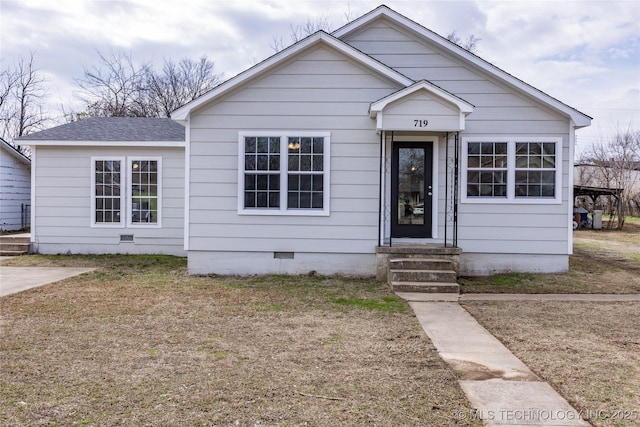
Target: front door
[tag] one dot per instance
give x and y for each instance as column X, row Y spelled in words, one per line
column 411, row 189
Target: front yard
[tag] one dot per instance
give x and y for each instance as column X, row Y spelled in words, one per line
column 138, row 342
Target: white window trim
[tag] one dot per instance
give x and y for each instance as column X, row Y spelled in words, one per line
column 284, row 172
column 123, row 182
column 511, row 172
column 125, row 193
column 129, row 207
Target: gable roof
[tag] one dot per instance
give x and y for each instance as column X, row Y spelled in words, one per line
column 318, row 38
column 383, row 12
column 14, row 152
column 422, row 85
column 377, row 108
column 111, row 129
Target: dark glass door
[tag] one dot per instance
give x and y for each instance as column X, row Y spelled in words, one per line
column 411, row 189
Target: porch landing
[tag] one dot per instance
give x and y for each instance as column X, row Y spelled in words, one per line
column 429, row 268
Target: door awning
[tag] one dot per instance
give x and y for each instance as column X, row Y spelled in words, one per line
column 422, row 106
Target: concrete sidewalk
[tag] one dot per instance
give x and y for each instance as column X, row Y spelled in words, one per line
column 502, row 390
column 426, row 297
column 17, row 279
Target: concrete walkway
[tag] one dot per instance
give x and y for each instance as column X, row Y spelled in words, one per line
column 502, row 390
column 17, row 279
column 425, row 297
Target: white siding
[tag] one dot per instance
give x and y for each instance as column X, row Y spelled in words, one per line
column 63, row 204
column 318, row 90
column 15, row 190
column 499, row 111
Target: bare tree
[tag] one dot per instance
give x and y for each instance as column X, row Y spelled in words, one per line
column 22, row 93
column 616, row 164
column 179, row 83
column 298, row 32
column 470, row 43
column 115, row 87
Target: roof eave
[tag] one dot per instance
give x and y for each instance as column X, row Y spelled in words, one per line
column 102, row 143
column 182, row 113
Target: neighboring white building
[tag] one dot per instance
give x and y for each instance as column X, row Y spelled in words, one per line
column 381, row 133
column 15, row 188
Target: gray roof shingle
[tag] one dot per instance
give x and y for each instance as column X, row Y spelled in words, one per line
column 112, row 129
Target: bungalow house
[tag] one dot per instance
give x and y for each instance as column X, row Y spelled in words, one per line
column 15, row 188
column 327, row 156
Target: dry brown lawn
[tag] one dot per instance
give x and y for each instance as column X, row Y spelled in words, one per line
column 140, row 343
column 588, row 352
column 604, row 261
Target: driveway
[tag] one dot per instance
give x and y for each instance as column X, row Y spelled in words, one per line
column 17, row 279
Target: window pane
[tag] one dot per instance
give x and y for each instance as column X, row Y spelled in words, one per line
column 250, row 145
column 263, row 145
column 144, row 191
column 294, row 163
column 250, row 162
column 318, row 163
column 107, row 191
column 486, row 148
column 473, row 148
column 305, row 145
column 316, row 201
column 249, row 182
column 318, row 145
column 249, row 200
column 262, row 163
column 305, row 163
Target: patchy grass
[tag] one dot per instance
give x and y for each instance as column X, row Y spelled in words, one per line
column 589, row 352
column 386, row 304
column 604, row 261
column 139, row 342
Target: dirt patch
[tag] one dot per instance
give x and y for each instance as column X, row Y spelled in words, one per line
column 139, row 342
column 589, row 352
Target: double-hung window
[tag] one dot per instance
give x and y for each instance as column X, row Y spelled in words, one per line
column 126, row 192
column 283, row 173
column 511, row 170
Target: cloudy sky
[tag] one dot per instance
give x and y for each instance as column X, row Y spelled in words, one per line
column 585, row 53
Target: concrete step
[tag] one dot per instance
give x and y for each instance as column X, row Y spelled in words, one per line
column 443, row 276
column 13, row 253
column 14, row 245
column 426, row 287
column 421, row 264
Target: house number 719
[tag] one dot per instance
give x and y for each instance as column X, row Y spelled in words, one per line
column 420, row 123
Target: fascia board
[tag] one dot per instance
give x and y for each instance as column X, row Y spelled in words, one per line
column 182, row 113
column 464, row 107
column 65, row 143
column 15, row 153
